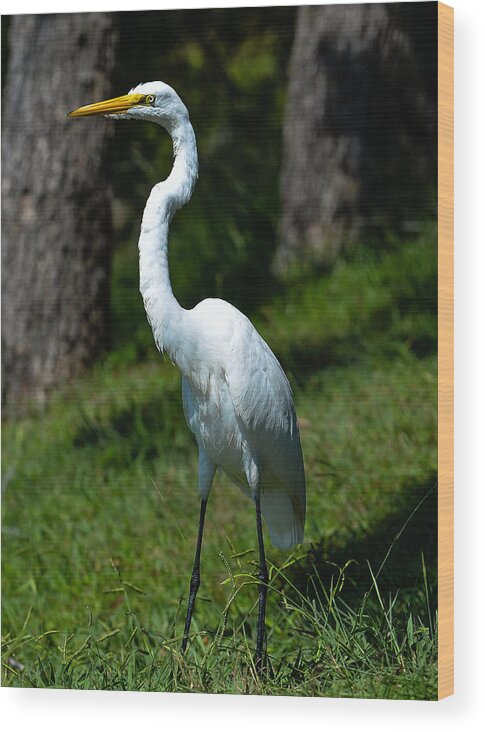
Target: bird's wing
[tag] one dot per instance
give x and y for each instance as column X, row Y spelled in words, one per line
column 258, row 385
column 262, row 399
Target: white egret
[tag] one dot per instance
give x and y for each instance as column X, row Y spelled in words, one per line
column 236, row 397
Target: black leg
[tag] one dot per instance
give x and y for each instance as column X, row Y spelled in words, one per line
column 195, row 579
column 263, row 591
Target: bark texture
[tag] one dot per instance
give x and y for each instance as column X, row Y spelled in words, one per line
column 360, row 127
column 56, row 220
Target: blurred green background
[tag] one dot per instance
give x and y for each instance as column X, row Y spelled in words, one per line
column 231, row 70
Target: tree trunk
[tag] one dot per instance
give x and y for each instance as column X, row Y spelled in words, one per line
column 56, row 220
column 359, row 132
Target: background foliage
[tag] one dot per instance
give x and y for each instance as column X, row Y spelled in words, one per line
column 230, row 69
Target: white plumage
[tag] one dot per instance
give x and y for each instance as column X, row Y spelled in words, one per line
column 238, row 404
column 237, row 399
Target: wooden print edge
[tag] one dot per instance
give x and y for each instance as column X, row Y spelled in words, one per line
column 445, row 353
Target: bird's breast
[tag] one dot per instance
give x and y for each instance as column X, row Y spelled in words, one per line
column 210, row 416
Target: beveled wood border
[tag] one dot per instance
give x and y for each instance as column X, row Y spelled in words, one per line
column 445, row 352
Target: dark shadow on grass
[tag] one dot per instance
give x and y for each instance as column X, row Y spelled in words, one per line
column 139, row 429
column 395, row 550
column 303, row 361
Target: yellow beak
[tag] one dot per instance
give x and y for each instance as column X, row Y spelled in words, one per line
column 110, row 106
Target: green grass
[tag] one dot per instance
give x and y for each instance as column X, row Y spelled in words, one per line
column 380, row 306
column 325, row 648
column 100, row 512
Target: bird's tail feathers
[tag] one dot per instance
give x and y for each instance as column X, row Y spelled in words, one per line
column 285, row 516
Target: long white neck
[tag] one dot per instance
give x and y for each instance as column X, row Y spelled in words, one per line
column 164, row 313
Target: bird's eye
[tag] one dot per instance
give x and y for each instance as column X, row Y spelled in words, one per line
column 150, row 99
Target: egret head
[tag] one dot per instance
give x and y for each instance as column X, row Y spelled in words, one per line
column 153, row 101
